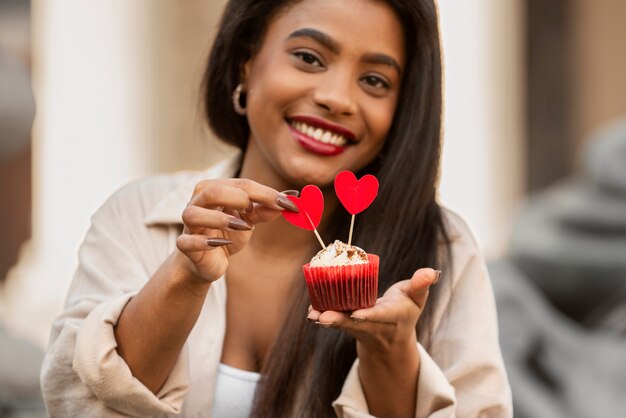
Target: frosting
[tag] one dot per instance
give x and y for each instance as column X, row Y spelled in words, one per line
column 339, row 254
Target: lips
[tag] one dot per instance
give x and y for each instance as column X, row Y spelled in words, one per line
column 319, row 136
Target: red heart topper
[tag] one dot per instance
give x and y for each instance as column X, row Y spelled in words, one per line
column 356, row 195
column 311, row 205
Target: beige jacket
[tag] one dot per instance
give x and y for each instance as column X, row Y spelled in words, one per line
column 131, row 235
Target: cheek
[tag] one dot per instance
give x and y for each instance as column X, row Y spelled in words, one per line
column 380, row 121
column 269, row 100
column 272, row 82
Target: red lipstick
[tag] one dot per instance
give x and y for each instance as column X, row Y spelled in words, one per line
column 315, row 146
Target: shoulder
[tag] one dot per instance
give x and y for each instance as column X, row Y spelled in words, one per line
column 464, row 247
column 138, row 198
column 459, row 231
column 159, row 199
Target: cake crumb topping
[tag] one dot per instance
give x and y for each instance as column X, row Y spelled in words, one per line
column 338, row 254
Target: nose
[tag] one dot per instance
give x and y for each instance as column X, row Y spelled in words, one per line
column 335, row 94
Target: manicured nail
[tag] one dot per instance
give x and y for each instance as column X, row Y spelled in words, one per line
column 250, row 207
column 285, row 203
column 238, row 224
column 358, row 318
column 437, row 277
column 291, row 193
column 323, row 324
column 218, row 242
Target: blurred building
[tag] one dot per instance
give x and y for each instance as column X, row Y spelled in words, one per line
column 575, row 61
column 17, row 111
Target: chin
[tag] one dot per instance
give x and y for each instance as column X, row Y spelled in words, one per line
column 321, row 181
column 303, row 174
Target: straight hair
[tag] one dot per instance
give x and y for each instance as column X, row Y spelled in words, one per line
column 307, row 366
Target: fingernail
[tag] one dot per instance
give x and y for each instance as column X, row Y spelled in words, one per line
column 311, row 320
column 323, row 324
column 291, row 193
column 437, row 277
column 358, row 318
column 285, row 203
column 218, row 242
column 250, row 207
column 238, row 224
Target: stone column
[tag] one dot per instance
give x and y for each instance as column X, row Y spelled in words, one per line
column 114, row 84
column 483, row 151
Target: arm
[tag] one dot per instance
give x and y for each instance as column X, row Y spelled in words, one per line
column 83, row 373
column 389, row 361
column 154, row 326
column 462, row 373
column 389, row 379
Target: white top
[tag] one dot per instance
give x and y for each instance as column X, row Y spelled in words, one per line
column 234, row 392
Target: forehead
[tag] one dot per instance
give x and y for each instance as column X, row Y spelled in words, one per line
column 370, row 24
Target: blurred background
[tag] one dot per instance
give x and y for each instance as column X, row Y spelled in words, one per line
column 96, row 94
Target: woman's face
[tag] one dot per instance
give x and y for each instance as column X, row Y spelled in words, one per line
column 323, row 88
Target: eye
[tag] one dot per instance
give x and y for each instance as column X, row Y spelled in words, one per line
column 308, row 58
column 376, row 82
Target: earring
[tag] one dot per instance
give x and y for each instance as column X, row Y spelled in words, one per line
column 239, row 109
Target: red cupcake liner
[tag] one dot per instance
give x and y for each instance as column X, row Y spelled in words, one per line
column 343, row 288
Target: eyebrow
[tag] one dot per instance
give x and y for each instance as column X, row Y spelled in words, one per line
column 383, row 59
column 332, row 45
column 318, row 36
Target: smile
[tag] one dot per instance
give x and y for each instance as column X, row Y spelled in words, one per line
column 319, row 134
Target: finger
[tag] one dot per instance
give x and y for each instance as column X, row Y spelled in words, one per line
column 313, row 315
column 417, row 287
column 197, row 242
column 343, row 321
column 383, row 312
column 239, row 194
column 260, row 213
column 264, row 195
column 212, row 194
column 198, row 218
column 333, row 319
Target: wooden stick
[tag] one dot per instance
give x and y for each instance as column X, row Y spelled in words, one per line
column 319, row 239
column 317, row 234
column 351, row 228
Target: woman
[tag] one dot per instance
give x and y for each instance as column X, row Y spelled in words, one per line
column 209, row 316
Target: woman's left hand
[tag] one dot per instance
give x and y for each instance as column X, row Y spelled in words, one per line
column 391, row 321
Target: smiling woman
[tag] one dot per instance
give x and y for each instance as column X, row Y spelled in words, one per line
column 190, row 294
column 331, row 77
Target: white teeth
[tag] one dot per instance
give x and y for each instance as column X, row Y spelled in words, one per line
column 320, row 134
column 326, row 137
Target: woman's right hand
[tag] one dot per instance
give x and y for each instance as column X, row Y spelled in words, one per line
column 219, row 220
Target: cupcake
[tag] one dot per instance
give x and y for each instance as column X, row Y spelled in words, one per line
column 342, row 277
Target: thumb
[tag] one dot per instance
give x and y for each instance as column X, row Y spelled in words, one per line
column 417, row 288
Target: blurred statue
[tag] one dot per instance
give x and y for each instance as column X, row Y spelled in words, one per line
column 562, row 296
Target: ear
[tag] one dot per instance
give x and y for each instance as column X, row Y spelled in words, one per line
column 245, row 73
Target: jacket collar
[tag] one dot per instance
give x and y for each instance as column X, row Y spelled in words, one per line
column 168, row 209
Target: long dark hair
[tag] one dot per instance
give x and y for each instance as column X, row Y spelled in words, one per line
column 307, row 366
